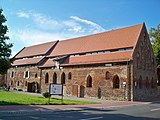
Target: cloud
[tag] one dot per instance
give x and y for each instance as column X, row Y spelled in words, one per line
column 94, row 25
column 23, row 15
column 45, row 28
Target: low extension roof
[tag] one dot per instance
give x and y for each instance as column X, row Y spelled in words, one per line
column 115, row 39
column 27, row 61
column 99, row 58
column 48, row 63
column 35, row 50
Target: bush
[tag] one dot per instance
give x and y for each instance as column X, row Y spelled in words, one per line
column 46, row 95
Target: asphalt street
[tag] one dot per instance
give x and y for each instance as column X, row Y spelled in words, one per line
column 149, row 111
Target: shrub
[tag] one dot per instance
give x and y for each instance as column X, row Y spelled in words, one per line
column 46, row 95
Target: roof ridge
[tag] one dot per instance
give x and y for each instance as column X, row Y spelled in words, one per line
column 98, row 33
column 42, row 44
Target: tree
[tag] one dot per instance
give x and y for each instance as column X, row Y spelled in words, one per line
column 154, row 35
column 5, row 48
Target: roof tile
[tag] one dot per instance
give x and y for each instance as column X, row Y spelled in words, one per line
column 27, row 61
column 99, row 58
column 115, row 39
column 36, row 50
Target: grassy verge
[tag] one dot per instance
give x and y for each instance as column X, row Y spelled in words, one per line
column 10, row 98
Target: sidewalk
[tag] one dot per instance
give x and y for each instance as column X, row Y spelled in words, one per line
column 65, row 107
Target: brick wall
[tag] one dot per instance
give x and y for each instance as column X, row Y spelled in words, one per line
column 77, row 85
column 2, row 81
column 144, row 69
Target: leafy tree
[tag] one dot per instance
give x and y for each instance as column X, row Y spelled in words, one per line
column 154, row 35
column 5, row 48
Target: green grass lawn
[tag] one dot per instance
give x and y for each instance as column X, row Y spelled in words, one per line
column 10, row 98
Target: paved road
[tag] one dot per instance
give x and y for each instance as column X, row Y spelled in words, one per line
column 148, row 111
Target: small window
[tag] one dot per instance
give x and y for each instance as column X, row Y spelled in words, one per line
column 54, row 78
column 107, row 75
column 144, row 35
column 89, row 81
column 116, row 81
column 63, row 77
column 36, row 75
column 13, row 74
column 26, row 74
column 18, row 83
column 46, row 78
column 69, row 75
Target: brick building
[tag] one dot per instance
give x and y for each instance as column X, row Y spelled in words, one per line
column 113, row 65
column 2, row 80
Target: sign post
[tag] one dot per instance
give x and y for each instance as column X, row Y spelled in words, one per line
column 56, row 89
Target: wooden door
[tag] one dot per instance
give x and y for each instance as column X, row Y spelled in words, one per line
column 75, row 90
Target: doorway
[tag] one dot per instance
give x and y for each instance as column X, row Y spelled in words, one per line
column 82, row 89
column 31, row 87
column 99, row 93
column 75, row 90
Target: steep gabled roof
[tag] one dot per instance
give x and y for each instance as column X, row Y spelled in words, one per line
column 115, row 39
column 36, row 50
column 99, row 58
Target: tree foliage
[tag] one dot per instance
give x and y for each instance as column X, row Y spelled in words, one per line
column 154, row 35
column 5, row 48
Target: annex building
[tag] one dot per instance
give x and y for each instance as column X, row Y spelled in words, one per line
column 114, row 65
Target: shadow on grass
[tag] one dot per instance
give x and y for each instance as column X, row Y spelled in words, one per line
column 9, row 103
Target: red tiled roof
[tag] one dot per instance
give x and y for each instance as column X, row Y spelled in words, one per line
column 48, row 63
column 35, row 50
column 99, row 58
column 27, row 61
column 120, row 38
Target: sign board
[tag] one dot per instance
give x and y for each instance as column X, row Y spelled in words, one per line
column 56, row 89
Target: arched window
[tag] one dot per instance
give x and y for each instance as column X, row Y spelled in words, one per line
column 69, row 75
column 18, row 83
column 147, row 82
column 36, row 75
column 107, row 75
column 116, row 81
column 152, row 83
column 140, row 82
column 46, row 78
column 63, row 81
column 89, row 81
column 54, row 78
